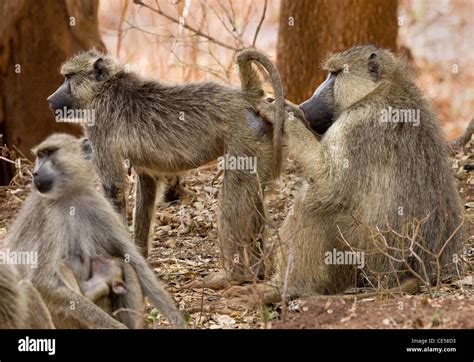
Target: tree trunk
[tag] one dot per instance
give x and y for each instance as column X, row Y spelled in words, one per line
column 311, row 30
column 35, row 38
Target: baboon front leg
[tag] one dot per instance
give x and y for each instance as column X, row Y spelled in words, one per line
column 145, row 195
column 116, row 195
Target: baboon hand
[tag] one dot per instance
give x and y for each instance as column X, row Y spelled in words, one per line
column 266, row 110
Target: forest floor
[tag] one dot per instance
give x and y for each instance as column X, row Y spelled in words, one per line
column 184, row 249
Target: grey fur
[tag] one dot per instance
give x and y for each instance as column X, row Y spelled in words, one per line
column 358, row 176
column 164, row 129
column 70, row 225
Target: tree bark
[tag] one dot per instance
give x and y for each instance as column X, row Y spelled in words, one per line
column 325, row 26
column 35, row 38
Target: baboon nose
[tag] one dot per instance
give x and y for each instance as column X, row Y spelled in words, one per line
column 43, row 185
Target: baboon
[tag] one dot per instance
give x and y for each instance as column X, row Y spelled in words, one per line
column 21, row 306
column 106, row 277
column 110, row 278
column 374, row 185
column 68, row 223
column 163, row 129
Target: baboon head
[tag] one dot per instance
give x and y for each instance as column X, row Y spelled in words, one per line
column 83, row 74
column 352, row 75
column 62, row 165
column 109, row 270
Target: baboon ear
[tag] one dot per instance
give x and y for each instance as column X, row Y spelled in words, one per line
column 86, row 148
column 374, row 66
column 119, row 288
column 100, row 70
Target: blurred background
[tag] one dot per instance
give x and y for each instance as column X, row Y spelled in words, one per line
column 180, row 41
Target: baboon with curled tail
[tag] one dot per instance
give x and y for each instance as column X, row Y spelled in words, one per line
column 377, row 182
column 164, row 129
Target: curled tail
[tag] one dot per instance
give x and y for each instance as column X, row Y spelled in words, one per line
column 253, row 90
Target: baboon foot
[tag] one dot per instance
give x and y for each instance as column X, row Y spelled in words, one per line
column 251, row 295
column 217, row 280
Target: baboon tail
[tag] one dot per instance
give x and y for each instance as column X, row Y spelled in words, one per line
column 156, row 293
column 252, row 87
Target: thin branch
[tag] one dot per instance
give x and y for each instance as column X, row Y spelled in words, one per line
column 186, row 26
column 262, row 18
column 120, row 27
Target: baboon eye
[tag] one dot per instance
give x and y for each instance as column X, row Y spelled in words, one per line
column 47, row 152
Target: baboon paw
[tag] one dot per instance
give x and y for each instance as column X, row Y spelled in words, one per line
column 266, row 111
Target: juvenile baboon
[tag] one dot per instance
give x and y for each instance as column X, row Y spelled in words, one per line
column 106, row 277
column 68, row 223
column 110, row 278
column 21, row 306
column 374, row 185
column 163, row 129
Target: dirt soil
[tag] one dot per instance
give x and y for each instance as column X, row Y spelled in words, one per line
column 185, row 249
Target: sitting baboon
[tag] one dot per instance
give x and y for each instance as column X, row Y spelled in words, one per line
column 163, row 129
column 380, row 204
column 68, row 223
column 21, row 306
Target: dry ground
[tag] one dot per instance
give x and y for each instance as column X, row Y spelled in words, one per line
column 185, row 249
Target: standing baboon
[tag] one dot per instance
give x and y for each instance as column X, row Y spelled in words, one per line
column 21, row 306
column 379, row 191
column 68, row 223
column 165, row 129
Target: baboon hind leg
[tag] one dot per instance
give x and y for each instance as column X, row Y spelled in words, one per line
column 241, row 222
column 242, row 215
column 145, row 195
column 241, row 227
